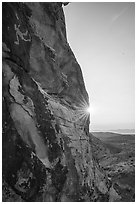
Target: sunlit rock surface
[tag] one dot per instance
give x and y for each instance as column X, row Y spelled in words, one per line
column 46, row 151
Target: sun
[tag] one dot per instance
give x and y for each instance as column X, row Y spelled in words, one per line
column 83, row 111
column 89, row 109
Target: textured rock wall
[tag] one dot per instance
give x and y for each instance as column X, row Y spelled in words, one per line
column 46, row 151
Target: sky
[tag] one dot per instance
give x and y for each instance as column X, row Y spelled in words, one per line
column 102, row 37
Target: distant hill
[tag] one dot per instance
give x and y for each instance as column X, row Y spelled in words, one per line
column 124, row 131
column 105, row 136
column 119, row 131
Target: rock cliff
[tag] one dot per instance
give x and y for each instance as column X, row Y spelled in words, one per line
column 46, row 150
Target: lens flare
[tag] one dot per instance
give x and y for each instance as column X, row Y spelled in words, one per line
column 89, row 110
column 82, row 113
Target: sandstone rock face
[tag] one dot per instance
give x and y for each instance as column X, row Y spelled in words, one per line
column 46, row 151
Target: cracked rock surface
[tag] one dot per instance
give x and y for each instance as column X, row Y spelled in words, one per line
column 46, row 151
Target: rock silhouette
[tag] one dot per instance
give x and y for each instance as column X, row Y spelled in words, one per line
column 46, row 151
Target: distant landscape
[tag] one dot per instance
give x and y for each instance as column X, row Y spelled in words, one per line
column 123, row 131
column 120, row 131
column 115, row 154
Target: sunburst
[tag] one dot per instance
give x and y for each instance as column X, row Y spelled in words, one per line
column 82, row 112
